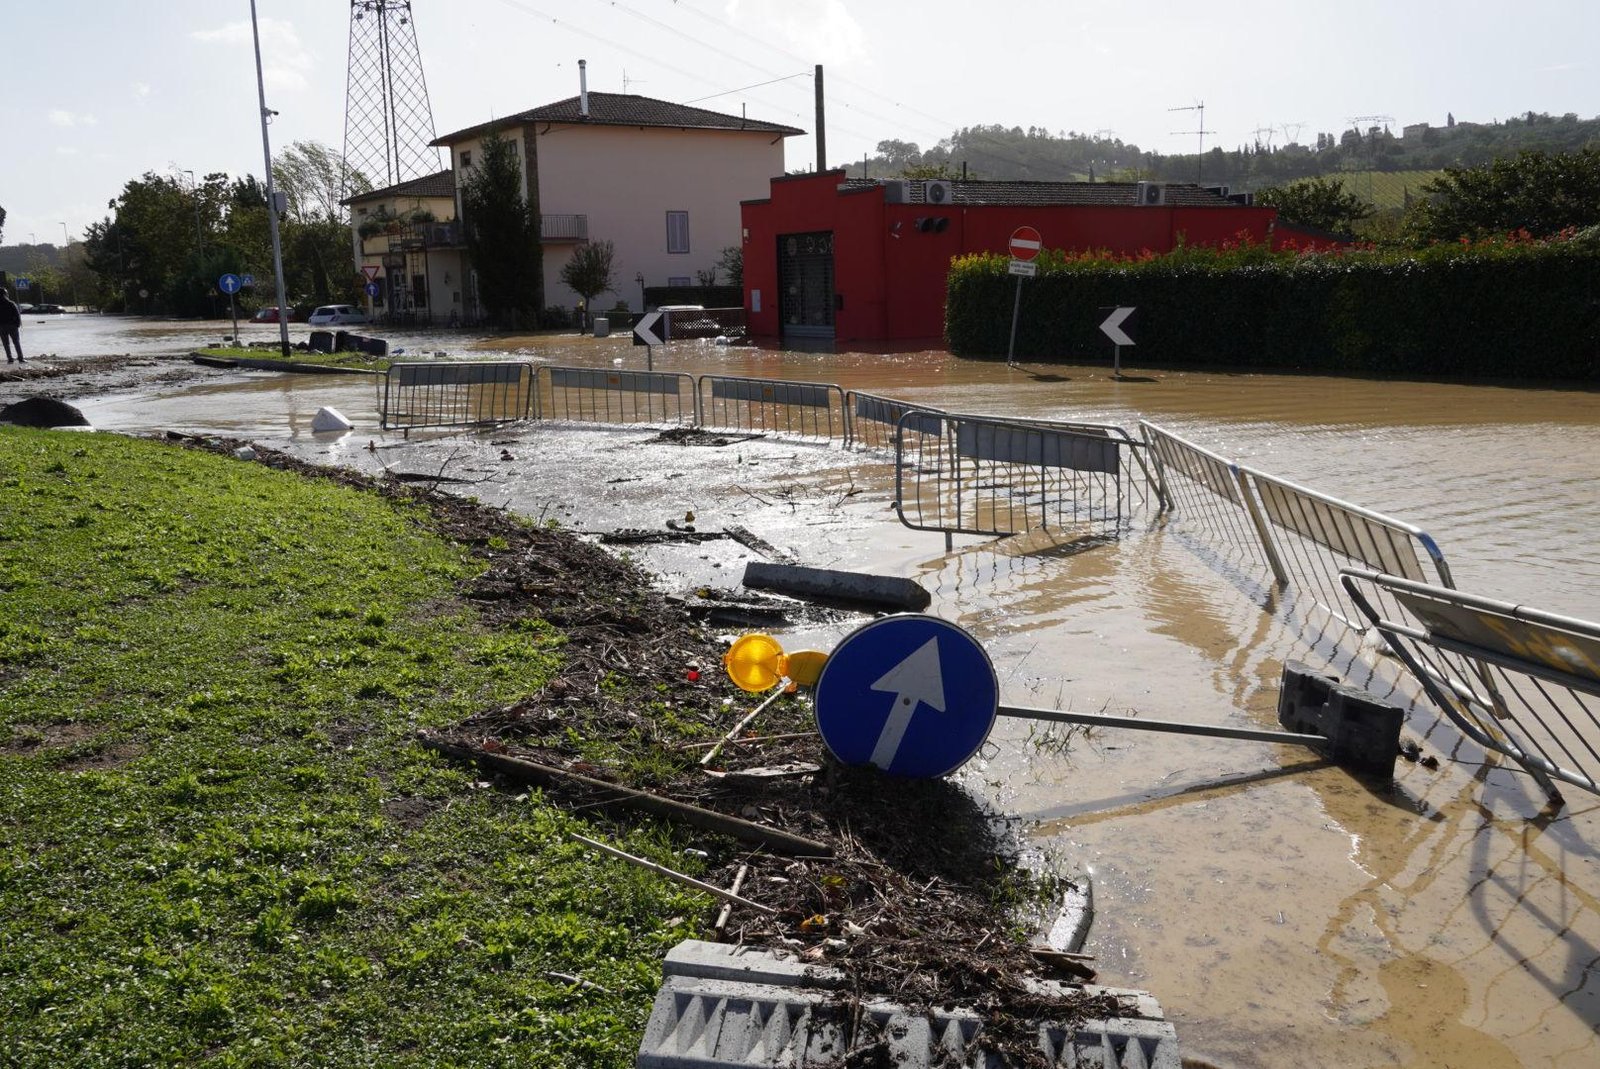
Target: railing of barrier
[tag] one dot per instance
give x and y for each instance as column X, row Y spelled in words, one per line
column 977, row 475
column 872, row 418
column 1517, row 681
column 597, row 395
column 1204, row 489
column 1309, row 537
column 802, row 409
column 455, row 395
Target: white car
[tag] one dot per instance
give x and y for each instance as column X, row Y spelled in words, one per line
column 337, row 315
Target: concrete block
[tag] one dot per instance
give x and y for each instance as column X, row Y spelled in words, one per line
column 878, row 591
column 1070, row 928
column 711, row 1012
column 1363, row 732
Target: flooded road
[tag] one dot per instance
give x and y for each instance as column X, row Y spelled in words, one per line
column 1281, row 910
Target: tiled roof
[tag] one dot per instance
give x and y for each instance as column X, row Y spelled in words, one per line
column 1178, row 194
column 617, row 109
column 429, row 185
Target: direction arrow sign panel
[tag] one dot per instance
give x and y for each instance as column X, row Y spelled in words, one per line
column 1112, row 327
column 644, row 331
column 911, row 694
column 228, row 283
column 1025, row 243
column 373, row 289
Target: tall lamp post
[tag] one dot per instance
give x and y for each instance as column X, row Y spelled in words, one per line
column 272, row 195
column 194, row 191
column 65, row 266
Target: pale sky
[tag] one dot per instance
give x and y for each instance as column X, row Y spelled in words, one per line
column 100, row 91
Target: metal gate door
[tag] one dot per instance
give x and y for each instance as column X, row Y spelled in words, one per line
column 805, row 284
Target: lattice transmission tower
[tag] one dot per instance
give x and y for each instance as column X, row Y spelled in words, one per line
column 387, row 120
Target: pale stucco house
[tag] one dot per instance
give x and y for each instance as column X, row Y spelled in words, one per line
column 407, row 237
column 661, row 181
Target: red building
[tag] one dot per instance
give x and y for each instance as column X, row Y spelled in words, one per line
column 827, row 258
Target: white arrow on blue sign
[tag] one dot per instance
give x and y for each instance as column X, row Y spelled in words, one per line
column 228, row 283
column 373, row 289
column 913, row 695
column 644, row 331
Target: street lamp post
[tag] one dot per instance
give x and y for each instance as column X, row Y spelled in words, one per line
column 65, row 266
column 272, row 196
column 194, row 192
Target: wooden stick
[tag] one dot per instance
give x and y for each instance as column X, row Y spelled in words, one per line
column 524, row 771
column 671, row 874
column 778, row 690
column 727, row 910
column 752, row 740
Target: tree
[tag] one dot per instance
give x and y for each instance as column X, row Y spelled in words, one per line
column 2, row 220
column 591, row 271
column 313, row 179
column 731, row 263
column 1320, row 203
column 502, row 235
column 1540, row 192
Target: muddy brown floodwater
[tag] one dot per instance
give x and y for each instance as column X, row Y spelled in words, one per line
column 1282, row 911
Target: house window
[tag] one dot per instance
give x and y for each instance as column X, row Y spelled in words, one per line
column 677, row 231
column 466, row 159
column 678, row 280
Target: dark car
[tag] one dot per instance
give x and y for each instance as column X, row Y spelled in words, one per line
column 46, row 310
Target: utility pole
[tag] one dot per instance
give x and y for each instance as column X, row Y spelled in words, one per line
column 65, row 266
column 194, row 193
column 1200, row 153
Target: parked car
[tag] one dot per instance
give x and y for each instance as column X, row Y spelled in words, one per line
column 269, row 315
column 337, row 315
column 46, row 310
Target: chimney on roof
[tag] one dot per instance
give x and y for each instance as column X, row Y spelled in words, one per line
column 583, row 88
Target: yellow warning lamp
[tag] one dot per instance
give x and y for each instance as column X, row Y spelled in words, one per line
column 757, row 662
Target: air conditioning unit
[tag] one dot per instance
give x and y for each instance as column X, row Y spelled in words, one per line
column 1243, row 200
column 938, row 193
column 896, row 192
column 1149, row 194
column 1217, row 191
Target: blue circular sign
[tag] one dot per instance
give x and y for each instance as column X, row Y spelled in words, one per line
column 913, row 695
column 228, row 283
column 373, row 289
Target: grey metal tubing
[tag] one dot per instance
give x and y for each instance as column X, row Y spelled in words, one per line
column 1022, row 712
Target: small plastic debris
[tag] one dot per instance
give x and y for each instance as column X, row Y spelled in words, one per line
column 244, row 452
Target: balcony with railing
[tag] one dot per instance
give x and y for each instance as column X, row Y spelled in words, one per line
column 563, row 228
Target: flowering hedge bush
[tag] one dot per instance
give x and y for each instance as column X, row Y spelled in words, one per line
column 1507, row 307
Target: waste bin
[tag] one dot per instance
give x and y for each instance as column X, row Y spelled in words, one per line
column 602, row 327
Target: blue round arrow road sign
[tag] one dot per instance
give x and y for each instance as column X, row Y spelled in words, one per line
column 373, row 289
column 913, row 695
column 228, row 283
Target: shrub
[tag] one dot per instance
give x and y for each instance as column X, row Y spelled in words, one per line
column 1506, row 307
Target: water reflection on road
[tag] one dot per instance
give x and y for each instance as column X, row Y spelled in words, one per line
column 1282, row 911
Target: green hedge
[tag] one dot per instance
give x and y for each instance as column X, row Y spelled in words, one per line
column 1509, row 308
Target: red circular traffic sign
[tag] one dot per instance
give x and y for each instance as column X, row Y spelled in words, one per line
column 1025, row 243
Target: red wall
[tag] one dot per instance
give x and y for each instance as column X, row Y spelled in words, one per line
column 891, row 276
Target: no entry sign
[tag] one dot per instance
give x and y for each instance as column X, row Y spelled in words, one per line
column 1025, row 243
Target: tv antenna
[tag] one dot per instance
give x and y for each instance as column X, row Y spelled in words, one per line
column 1200, row 152
column 626, row 81
column 387, row 120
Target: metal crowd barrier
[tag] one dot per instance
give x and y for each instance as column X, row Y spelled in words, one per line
column 1205, row 490
column 982, row 476
column 417, row 395
column 804, row 409
column 1309, row 537
column 1517, row 681
column 1302, row 536
column 597, row 395
column 872, row 419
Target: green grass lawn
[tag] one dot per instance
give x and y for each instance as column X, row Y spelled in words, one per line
column 220, row 845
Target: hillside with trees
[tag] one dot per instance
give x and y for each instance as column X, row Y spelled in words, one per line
column 1036, row 153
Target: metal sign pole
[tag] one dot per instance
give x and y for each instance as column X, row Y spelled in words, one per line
column 234, row 309
column 649, row 357
column 1016, row 308
column 1116, row 362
